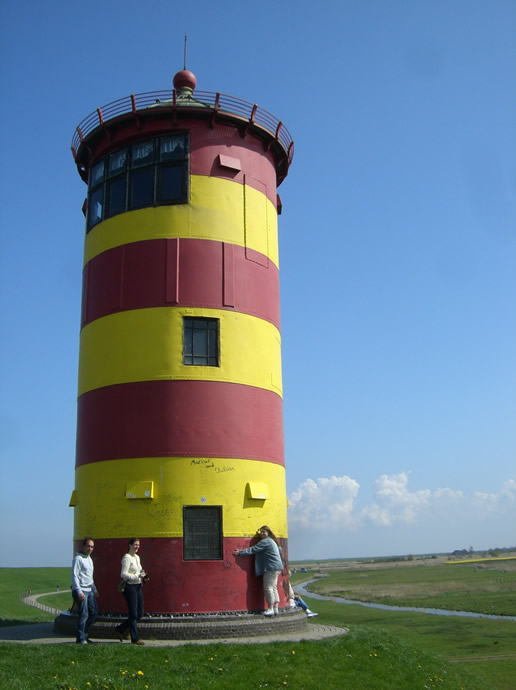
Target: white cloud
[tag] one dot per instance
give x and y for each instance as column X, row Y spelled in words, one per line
column 395, row 503
column 323, row 504
column 497, row 502
column 326, row 518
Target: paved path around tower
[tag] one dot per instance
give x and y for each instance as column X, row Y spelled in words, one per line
column 43, row 633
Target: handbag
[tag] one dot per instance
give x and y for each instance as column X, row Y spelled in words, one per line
column 121, row 585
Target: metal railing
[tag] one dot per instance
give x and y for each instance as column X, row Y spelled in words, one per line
column 218, row 103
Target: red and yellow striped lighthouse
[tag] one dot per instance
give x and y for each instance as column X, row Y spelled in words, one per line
column 180, row 429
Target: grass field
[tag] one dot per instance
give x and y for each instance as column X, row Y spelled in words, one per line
column 16, row 581
column 478, row 587
column 383, row 650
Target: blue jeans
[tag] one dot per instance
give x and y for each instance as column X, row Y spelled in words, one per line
column 87, row 614
column 300, row 603
column 134, row 599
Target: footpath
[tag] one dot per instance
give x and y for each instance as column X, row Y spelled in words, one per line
column 43, row 633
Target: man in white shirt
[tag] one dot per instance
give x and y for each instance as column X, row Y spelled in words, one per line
column 84, row 591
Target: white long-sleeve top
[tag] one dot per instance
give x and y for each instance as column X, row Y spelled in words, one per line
column 131, row 569
column 82, row 574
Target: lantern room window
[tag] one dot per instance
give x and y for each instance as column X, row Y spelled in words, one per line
column 153, row 172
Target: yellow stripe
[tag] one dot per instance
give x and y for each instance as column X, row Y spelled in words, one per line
column 103, row 510
column 218, row 210
column 146, row 345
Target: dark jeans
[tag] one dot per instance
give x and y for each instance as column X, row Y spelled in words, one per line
column 134, row 598
column 87, row 614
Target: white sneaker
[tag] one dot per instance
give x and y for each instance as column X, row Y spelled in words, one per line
column 268, row 612
column 311, row 614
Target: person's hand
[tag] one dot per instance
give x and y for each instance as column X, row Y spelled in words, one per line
column 97, row 595
column 81, row 596
column 235, row 553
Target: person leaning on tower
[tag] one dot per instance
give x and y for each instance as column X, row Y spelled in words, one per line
column 267, row 562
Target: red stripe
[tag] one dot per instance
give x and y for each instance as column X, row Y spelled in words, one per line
column 257, row 165
column 190, row 273
column 178, row 586
column 180, row 418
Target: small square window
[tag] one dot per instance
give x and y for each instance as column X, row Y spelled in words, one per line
column 200, row 342
column 202, row 533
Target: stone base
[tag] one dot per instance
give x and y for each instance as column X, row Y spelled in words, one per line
column 195, row 626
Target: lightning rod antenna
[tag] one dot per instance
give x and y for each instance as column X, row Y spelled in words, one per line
column 186, row 38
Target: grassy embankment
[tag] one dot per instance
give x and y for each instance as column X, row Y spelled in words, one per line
column 382, row 651
column 484, row 587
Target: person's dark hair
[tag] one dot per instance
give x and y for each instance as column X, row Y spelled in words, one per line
column 133, row 539
column 271, row 533
column 87, row 539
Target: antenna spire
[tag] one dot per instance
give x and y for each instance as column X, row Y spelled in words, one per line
column 186, row 39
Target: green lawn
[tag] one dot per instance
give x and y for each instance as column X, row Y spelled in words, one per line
column 365, row 658
column 16, row 581
column 383, row 650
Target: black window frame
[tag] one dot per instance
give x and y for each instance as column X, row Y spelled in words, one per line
column 99, row 189
column 197, row 529
column 192, row 327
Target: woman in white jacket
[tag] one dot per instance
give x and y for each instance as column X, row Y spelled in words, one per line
column 134, row 575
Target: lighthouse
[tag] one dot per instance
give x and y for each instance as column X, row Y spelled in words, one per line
column 179, row 424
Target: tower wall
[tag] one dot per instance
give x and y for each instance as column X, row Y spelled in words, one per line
column 156, row 436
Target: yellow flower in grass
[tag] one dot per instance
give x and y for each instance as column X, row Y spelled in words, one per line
column 139, row 673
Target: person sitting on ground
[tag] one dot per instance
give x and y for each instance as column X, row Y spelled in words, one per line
column 296, row 601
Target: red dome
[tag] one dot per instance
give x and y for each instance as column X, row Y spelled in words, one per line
column 185, row 78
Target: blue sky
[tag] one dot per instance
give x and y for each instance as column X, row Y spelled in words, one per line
column 399, row 350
